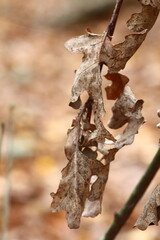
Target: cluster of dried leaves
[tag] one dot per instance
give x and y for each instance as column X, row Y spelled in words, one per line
column 90, row 146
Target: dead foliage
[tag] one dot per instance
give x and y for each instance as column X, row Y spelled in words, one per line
column 90, row 146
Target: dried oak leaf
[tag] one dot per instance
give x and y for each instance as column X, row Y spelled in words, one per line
column 76, row 189
column 153, row 3
column 144, row 20
column 119, row 54
column 116, row 56
column 88, row 77
column 77, row 194
column 118, row 83
column 73, row 189
column 151, row 211
column 93, row 203
column 127, row 109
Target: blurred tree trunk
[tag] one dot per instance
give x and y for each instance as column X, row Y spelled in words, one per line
column 70, row 13
column 79, row 11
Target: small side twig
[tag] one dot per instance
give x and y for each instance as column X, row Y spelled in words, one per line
column 122, row 216
column 111, row 26
column 2, row 127
column 9, row 163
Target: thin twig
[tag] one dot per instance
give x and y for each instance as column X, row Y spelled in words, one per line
column 108, row 34
column 2, row 126
column 122, row 216
column 112, row 24
column 9, row 163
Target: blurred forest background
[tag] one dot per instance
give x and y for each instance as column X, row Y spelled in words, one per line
column 36, row 76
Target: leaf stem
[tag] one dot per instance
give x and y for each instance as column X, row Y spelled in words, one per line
column 111, row 26
column 124, row 213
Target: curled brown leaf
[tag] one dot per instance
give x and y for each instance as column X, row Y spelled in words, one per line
column 144, row 20
column 88, row 77
column 153, row 3
column 73, row 189
column 118, row 83
column 116, row 56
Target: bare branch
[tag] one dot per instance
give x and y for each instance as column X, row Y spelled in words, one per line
column 111, row 27
column 122, row 216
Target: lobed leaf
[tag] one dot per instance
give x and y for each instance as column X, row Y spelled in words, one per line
column 116, row 56
column 88, row 77
column 118, row 83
